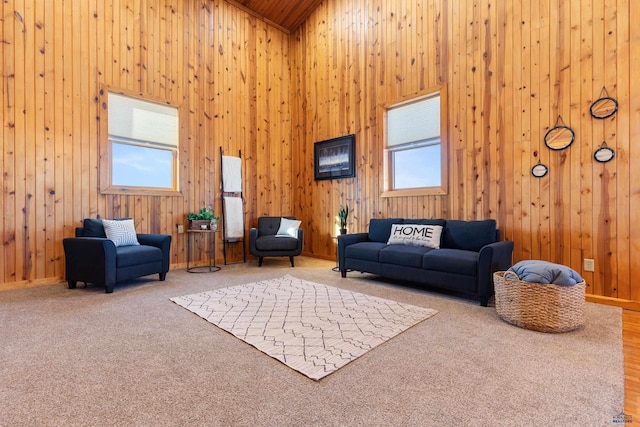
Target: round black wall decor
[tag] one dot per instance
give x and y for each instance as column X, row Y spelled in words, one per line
column 603, row 107
column 604, row 153
column 539, row 170
column 560, row 136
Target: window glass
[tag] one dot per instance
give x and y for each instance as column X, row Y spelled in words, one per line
column 417, row 167
column 138, row 166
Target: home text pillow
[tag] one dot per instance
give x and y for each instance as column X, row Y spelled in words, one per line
column 415, row 235
column 120, row 232
column 288, row 228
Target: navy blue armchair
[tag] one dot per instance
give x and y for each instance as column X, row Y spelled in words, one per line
column 92, row 258
column 264, row 241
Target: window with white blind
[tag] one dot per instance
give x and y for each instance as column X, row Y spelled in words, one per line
column 414, row 146
column 142, row 147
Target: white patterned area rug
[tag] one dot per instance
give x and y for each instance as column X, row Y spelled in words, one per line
column 312, row 328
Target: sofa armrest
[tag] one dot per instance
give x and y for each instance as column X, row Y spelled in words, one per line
column 491, row 258
column 162, row 241
column 502, row 255
column 90, row 260
column 345, row 240
column 350, row 239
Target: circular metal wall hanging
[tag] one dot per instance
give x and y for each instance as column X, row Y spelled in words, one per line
column 603, row 107
column 539, row 170
column 560, row 136
column 604, row 153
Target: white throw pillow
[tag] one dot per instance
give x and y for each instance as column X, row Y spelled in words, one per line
column 121, row 232
column 415, row 235
column 288, row 228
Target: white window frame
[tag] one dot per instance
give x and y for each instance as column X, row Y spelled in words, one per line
column 134, row 121
column 406, row 139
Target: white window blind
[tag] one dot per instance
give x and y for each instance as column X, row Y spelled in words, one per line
column 414, row 122
column 142, row 121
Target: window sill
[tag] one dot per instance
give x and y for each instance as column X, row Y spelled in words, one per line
column 140, row 191
column 409, row 192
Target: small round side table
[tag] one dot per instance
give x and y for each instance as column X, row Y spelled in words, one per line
column 211, row 267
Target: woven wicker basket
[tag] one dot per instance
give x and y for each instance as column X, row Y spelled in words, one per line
column 540, row 307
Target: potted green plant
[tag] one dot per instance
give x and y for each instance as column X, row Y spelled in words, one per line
column 343, row 214
column 204, row 219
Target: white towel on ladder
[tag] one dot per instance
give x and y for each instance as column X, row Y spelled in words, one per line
column 231, row 174
column 233, row 217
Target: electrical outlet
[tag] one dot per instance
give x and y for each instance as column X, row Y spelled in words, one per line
column 589, row 265
column 180, row 229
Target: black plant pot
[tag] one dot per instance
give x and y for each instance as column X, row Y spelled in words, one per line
column 343, row 231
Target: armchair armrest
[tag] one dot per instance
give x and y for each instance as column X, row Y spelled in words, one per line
column 253, row 235
column 300, row 240
column 158, row 240
column 162, row 241
column 90, row 260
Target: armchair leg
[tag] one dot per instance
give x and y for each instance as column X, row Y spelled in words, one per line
column 291, row 259
column 108, row 288
column 163, row 276
column 72, row 284
column 260, row 261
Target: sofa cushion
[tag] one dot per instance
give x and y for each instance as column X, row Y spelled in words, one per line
column 133, row 255
column 273, row 243
column 415, row 235
column 269, row 225
column 451, row 261
column 380, row 229
column 409, row 256
column 469, row 235
column 434, row 221
column 367, row 251
column 93, row 228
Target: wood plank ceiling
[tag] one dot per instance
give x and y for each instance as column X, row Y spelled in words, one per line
column 288, row 14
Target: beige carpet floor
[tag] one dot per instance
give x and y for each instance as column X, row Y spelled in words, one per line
column 132, row 358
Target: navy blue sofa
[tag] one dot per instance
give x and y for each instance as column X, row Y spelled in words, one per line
column 92, row 258
column 470, row 252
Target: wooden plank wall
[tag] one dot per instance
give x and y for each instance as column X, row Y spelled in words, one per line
column 227, row 70
column 511, row 68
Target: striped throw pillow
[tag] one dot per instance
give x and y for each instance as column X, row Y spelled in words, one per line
column 120, row 232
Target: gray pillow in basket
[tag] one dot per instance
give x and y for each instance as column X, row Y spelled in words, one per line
column 545, row 272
